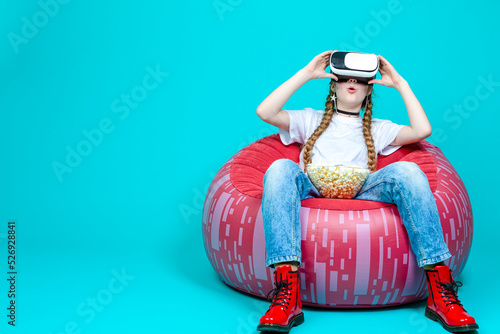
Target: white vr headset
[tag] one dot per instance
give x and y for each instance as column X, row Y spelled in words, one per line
column 354, row 65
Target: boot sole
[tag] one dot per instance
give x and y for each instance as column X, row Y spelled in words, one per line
column 295, row 321
column 454, row 329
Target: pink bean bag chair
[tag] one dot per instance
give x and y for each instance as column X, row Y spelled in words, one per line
column 355, row 253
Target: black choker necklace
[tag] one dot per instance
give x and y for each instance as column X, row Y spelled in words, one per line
column 347, row 112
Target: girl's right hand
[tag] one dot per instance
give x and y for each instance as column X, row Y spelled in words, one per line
column 316, row 67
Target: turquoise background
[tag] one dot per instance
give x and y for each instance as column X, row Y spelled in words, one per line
column 131, row 208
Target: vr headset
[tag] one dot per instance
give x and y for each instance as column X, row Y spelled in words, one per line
column 354, row 65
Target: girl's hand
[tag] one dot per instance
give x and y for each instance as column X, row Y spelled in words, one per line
column 390, row 78
column 316, row 67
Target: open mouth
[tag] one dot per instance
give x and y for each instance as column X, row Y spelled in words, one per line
column 351, row 90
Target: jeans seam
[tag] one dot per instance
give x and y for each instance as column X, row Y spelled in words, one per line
column 282, row 258
column 294, row 214
column 406, row 208
column 375, row 184
column 442, row 257
column 415, row 230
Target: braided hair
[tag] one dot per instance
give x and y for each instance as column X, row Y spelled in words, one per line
column 325, row 122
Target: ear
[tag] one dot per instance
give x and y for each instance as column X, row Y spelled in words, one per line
column 370, row 90
column 333, row 85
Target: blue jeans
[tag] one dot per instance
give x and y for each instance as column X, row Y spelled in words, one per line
column 402, row 183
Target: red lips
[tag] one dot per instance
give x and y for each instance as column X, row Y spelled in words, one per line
column 351, row 89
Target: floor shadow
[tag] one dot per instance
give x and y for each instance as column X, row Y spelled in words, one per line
column 191, row 261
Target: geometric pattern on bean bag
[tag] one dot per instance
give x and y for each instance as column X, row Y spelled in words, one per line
column 355, row 253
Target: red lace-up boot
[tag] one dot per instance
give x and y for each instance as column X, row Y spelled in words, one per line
column 286, row 308
column 443, row 304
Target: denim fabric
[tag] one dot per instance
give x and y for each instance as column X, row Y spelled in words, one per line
column 402, row 183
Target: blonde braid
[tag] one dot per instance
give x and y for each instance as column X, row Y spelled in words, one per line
column 325, row 122
column 367, row 121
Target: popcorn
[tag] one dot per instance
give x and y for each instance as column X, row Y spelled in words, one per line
column 334, row 181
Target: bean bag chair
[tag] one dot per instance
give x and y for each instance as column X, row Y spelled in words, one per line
column 355, row 253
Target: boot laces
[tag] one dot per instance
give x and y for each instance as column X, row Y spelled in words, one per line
column 280, row 295
column 449, row 292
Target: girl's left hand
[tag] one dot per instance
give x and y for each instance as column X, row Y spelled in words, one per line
column 390, row 77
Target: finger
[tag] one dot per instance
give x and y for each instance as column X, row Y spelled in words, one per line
column 329, row 51
column 326, row 53
column 326, row 75
column 375, row 81
column 384, row 68
column 385, row 61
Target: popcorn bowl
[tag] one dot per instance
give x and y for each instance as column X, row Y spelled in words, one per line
column 334, row 181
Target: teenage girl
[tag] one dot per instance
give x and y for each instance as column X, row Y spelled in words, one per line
column 340, row 135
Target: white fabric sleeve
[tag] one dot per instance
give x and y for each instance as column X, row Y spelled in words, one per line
column 300, row 121
column 385, row 132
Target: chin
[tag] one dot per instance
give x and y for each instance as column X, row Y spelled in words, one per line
column 351, row 104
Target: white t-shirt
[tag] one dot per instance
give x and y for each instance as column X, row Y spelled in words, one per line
column 343, row 142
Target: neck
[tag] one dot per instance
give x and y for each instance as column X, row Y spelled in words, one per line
column 346, row 113
column 351, row 111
